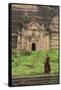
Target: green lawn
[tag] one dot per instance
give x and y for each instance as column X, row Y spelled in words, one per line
column 32, row 63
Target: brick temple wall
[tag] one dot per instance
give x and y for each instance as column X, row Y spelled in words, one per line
column 54, row 26
column 23, row 40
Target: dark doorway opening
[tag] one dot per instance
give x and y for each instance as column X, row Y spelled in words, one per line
column 33, row 46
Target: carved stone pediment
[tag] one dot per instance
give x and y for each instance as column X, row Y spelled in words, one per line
column 35, row 26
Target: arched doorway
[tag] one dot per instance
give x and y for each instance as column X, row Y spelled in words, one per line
column 33, row 46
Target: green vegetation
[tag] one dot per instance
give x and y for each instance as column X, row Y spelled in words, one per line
column 32, row 63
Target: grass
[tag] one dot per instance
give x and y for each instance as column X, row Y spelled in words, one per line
column 32, row 63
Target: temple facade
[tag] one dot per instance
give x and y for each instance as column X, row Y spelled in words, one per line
column 35, row 34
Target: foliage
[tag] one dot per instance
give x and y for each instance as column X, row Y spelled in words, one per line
column 32, row 63
column 25, row 53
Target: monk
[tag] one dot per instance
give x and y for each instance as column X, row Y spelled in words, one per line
column 47, row 68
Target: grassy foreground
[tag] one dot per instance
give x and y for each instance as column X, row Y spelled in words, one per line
column 32, row 63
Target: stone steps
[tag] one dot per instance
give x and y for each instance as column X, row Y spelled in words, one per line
column 42, row 80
